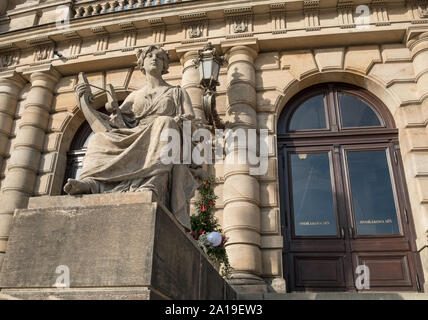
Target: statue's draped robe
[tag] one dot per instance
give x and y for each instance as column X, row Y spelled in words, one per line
column 129, row 159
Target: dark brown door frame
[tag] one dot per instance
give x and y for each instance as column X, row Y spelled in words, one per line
column 386, row 137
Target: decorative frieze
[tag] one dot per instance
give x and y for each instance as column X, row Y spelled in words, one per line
column 159, row 30
column 239, row 22
column 195, row 25
column 311, row 12
column 195, row 30
column 44, row 48
column 380, row 12
column 102, row 40
column 75, row 44
column 194, row 16
column 130, row 36
column 44, row 52
column 278, row 19
column 9, row 59
column 345, row 13
column 130, row 40
column 423, row 9
column 418, row 11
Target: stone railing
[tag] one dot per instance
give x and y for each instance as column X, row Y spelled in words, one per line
column 102, row 7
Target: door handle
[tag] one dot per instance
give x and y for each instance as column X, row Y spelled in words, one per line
column 342, row 233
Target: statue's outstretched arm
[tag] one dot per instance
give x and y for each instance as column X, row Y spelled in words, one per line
column 97, row 121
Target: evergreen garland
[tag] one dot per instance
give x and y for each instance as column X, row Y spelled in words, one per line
column 204, row 222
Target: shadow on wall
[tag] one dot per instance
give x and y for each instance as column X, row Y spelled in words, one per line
column 6, row 5
column 12, row 4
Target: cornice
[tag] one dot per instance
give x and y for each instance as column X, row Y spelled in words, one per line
column 193, row 16
column 99, row 30
column 8, row 47
column 281, row 36
column 40, row 40
column 230, row 12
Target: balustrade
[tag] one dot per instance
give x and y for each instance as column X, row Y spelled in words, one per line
column 104, row 7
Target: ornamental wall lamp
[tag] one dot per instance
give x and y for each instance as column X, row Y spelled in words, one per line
column 209, row 63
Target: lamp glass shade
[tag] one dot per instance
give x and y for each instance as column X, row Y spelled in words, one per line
column 207, row 65
column 201, row 71
column 215, row 70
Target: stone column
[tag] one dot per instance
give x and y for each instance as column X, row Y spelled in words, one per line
column 25, row 158
column 417, row 42
column 11, row 84
column 418, row 45
column 190, row 82
column 241, row 215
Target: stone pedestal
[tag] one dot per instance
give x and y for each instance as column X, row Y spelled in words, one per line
column 117, row 246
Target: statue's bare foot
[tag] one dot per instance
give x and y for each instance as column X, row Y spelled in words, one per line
column 74, row 186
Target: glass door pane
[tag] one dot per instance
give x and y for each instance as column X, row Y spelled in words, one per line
column 372, row 194
column 312, row 194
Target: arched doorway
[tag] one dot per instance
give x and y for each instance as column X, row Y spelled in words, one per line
column 344, row 204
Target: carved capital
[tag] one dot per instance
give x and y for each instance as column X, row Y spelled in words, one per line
column 189, row 52
column 45, row 76
column 12, row 82
column 249, row 44
column 417, row 39
column 247, row 49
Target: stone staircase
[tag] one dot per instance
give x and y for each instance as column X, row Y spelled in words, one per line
column 335, row 296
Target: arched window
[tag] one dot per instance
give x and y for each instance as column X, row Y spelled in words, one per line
column 78, row 151
column 343, row 197
column 78, row 148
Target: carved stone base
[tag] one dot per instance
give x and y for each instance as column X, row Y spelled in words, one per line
column 115, row 246
column 247, row 283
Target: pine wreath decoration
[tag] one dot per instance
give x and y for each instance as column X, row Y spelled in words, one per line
column 205, row 228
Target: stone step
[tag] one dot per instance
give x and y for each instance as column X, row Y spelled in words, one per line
column 335, row 296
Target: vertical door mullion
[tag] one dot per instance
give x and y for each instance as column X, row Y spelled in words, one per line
column 285, row 216
column 396, row 191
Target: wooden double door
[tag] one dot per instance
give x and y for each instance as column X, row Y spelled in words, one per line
column 346, row 219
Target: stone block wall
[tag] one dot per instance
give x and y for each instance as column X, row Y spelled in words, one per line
column 273, row 50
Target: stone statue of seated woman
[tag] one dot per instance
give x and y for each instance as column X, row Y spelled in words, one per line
column 124, row 154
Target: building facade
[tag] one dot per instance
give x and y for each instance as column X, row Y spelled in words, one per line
column 341, row 86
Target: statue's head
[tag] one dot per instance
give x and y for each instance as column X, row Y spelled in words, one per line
column 142, row 54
